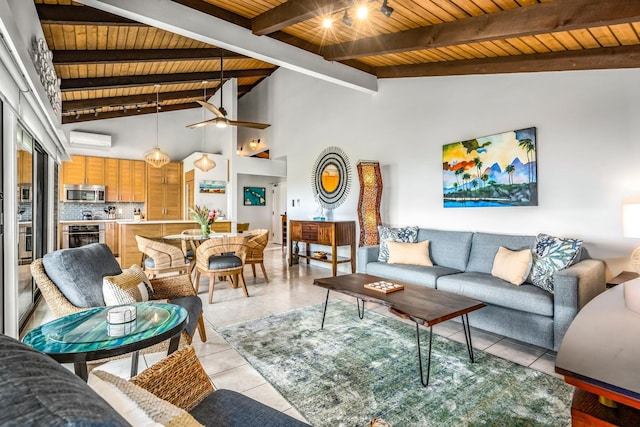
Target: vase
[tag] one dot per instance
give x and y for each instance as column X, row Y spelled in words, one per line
column 205, row 229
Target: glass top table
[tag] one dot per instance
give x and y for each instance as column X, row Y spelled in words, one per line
column 86, row 336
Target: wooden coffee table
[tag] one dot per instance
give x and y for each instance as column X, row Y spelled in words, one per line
column 423, row 305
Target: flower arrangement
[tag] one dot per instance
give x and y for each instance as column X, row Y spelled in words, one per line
column 204, row 217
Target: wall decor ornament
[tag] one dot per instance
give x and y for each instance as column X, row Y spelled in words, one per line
column 369, row 202
column 213, row 187
column 331, row 178
column 255, row 196
column 42, row 59
column 494, row 170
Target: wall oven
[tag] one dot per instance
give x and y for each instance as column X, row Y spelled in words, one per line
column 84, row 193
column 25, row 241
column 76, row 235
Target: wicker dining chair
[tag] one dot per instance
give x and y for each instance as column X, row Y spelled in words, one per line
column 258, row 240
column 189, row 246
column 221, row 256
column 161, row 257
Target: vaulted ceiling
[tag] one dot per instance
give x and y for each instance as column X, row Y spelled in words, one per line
column 109, row 64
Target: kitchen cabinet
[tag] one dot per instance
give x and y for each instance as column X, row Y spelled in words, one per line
column 111, row 236
column 128, row 251
column 125, row 180
column 86, row 170
column 25, row 166
column 164, row 192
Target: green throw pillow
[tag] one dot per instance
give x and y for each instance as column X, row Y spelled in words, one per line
column 551, row 254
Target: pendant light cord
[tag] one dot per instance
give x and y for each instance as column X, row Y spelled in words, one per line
column 221, row 74
column 204, row 128
column 157, row 114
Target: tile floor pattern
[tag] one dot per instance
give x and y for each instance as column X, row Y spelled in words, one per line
column 291, row 288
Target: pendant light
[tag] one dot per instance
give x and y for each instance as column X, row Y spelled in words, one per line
column 204, row 163
column 156, row 157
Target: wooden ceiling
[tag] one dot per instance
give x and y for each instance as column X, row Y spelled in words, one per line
column 109, row 64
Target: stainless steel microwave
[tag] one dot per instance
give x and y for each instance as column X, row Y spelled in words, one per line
column 84, row 193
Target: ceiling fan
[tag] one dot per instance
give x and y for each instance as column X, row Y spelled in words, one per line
column 221, row 114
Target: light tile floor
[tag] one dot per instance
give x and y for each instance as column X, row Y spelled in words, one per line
column 291, row 288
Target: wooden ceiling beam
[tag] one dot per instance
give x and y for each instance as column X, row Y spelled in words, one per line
column 115, row 114
column 542, row 18
column 293, row 12
column 93, row 103
column 147, row 80
column 116, row 56
column 216, row 11
column 590, row 59
column 78, row 15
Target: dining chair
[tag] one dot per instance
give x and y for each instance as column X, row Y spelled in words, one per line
column 189, row 245
column 257, row 241
column 221, row 256
column 160, row 257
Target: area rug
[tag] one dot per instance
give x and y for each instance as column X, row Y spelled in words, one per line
column 355, row 370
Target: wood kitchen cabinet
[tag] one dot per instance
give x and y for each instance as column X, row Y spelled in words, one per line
column 25, row 166
column 86, row 170
column 326, row 233
column 125, row 180
column 111, row 236
column 164, row 192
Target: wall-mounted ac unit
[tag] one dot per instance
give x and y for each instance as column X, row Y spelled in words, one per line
column 89, row 140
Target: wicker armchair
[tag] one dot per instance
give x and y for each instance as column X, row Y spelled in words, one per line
column 221, row 256
column 162, row 257
column 258, row 240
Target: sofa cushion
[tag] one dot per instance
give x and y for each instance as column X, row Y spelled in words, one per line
column 406, row 235
column 226, row 408
column 38, row 391
column 551, row 254
column 132, row 285
column 78, row 272
column 512, row 266
column 492, row 290
column 484, row 248
column 409, row 253
column 416, row 274
column 448, row 248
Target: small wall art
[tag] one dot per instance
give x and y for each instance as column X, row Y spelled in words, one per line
column 254, row 196
column 213, row 187
column 495, row 170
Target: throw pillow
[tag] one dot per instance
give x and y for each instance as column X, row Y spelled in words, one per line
column 512, row 266
column 137, row 405
column 406, row 235
column 409, row 253
column 551, row 254
column 132, row 285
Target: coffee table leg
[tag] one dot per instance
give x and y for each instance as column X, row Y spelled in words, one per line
column 134, row 364
column 422, row 380
column 324, row 312
column 467, row 336
column 360, row 311
column 80, row 369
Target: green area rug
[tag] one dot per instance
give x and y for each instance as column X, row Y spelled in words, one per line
column 355, row 370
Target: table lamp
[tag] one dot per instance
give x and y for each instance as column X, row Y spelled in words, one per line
column 631, row 227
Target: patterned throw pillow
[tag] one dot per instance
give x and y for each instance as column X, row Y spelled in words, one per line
column 405, row 235
column 132, row 285
column 551, row 254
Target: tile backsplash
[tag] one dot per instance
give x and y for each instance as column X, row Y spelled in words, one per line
column 73, row 211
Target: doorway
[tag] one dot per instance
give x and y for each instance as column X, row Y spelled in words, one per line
column 279, row 192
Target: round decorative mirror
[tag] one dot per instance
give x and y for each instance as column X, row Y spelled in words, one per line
column 331, row 178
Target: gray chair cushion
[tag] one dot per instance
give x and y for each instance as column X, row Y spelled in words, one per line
column 491, row 290
column 219, row 262
column 415, row 274
column 78, row 272
column 150, row 263
column 485, row 247
column 37, row 391
column 193, row 305
column 226, row 408
column 448, row 248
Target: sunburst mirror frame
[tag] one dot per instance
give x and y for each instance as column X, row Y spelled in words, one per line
column 329, row 158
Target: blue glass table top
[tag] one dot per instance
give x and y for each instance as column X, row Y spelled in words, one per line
column 88, row 331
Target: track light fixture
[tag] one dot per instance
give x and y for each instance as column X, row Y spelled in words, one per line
column 346, row 19
column 77, row 115
column 95, row 113
column 254, row 143
column 386, row 9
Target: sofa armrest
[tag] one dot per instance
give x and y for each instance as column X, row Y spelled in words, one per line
column 573, row 288
column 367, row 254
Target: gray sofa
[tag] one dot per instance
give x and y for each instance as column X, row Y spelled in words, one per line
column 462, row 263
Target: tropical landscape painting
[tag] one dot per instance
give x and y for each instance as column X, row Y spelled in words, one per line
column 495, row 170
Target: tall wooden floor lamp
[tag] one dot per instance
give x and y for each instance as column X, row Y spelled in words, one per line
column 369, row 202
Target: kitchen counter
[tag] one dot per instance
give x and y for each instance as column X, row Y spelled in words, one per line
column 87, row 221
column 174, row 221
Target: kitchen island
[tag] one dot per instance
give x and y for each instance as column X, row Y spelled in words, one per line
column 128, row 248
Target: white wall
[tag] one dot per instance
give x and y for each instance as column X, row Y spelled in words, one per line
column 587, row 134
column 256, row 216
column 219, row 173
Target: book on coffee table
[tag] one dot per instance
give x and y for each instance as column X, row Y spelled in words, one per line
column 384, row 286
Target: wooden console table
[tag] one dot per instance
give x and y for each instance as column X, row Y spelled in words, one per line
column 326, row 233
